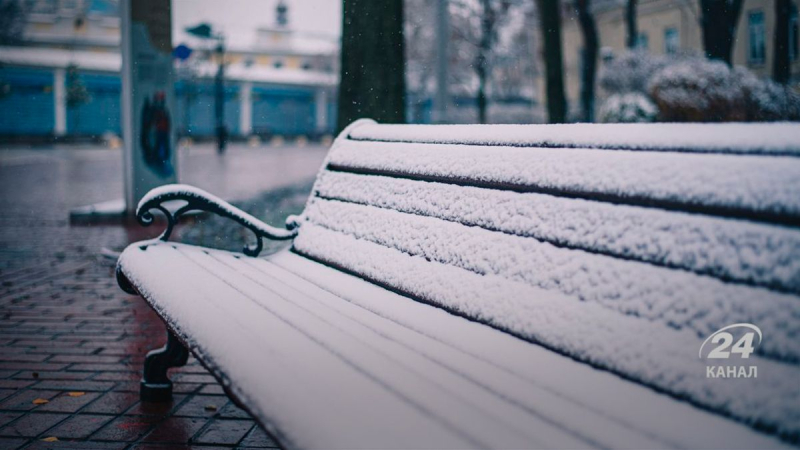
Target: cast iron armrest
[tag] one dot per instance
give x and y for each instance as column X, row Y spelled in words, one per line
column 200, row 200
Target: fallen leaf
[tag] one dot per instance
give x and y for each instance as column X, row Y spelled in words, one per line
column 50, row 439
column 76, row 394
column 40, row 401
column 211, row 407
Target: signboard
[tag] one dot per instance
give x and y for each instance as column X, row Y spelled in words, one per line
column 147, row 98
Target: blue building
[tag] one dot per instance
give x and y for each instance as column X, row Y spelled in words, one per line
column 282, row 83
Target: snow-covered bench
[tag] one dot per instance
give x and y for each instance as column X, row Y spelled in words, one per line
column 502, row 286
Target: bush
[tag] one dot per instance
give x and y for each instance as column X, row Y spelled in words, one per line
column 630, row 72
column 689, row 88
column 766, row 100
column 628, row 108
column 698, row 90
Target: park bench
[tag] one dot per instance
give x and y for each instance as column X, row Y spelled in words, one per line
column 501, row 286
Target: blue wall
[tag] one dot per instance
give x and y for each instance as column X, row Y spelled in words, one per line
column 195, row 106
column 102, row 113
column 283, row 111
column 26, row 106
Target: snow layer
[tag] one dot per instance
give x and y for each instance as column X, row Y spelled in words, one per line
column 171, row 192
column 672, row 298
column 761, row 184
column 729, row 249
column 585, row 401
column 292, row 381
column 372, row 369
column 773, row 138
column 651, row 353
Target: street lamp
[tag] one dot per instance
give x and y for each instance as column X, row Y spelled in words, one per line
column 204, row 31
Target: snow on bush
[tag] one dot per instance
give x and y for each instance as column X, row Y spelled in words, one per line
column 688, row 87
column 699, row 90
column 628, row 108
column 767, row 100
column 630, row 72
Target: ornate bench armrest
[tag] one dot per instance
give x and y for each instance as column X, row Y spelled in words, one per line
column 200, row 200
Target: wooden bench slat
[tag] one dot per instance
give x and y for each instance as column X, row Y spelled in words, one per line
column 737, row 138
column 732, row 250
column 600, row 406
column 752, row 187
column 664, row 296
column 556, row 321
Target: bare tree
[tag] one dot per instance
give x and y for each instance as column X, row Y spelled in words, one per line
column 480, row 22
column 591, row 46
column 718, row 19
column 781, row 68
column 373, row 62
column 508, row 64
column 630, row 22
column 550, row 25
column 492, row 12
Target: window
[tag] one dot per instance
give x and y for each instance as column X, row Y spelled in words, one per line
column 642, row 41
column 672, row 41
column 794, row 52
column 278, row 64
column 755, row 31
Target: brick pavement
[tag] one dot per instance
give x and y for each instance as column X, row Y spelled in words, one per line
column 71, row 343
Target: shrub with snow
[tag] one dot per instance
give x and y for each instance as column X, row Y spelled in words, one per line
column 698, row 90
column 628, row 108
column 767, row 100
column 688, row 87
column 630, row 72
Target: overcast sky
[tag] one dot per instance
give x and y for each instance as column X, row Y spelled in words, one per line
column 238, row 19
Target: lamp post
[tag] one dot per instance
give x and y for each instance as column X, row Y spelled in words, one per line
column 204, row 31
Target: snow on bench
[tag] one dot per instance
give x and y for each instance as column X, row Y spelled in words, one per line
column 503, row 286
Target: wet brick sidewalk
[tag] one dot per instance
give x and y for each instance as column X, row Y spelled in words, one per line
column 71, row 343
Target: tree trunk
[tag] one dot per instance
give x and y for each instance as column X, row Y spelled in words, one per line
column 781, row 63
column 719, row 19
column 482, row 63
column 590, row 49
column 481, row 97
column 372, row 62
column 550, row 24
column 630, row 22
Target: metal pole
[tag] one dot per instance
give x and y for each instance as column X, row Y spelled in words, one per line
column 127, row 104
column 219, row 98
column 442, row 35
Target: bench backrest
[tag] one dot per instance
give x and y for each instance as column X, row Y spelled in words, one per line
column 623, row 246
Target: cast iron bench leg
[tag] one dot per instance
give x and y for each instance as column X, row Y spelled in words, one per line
column 156, row 385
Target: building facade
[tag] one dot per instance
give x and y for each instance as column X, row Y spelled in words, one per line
column 282, row 83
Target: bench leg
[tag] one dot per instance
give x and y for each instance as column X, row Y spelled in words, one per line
column 156, row 385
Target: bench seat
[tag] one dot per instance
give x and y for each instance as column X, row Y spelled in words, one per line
column 380, row 370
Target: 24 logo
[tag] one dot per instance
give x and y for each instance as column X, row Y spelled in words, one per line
column 724, row 338
column 722, row 347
